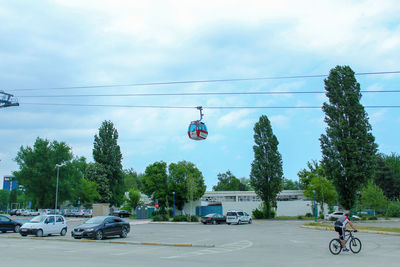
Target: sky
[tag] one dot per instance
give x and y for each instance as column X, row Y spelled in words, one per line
column 86, row 46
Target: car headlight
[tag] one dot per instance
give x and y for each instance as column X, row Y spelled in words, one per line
column 89, row 229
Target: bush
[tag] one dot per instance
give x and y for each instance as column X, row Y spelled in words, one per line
column 309, row 215
column 261, row 213
column 160, row 218
column 180, row 218
column 300, row 217
column 193, row 218
column 393, row 209
column 374, row 218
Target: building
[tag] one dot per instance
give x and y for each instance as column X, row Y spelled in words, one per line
column 289, row 202
column 10, row 183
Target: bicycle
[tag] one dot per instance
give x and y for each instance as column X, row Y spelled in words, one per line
column 335, row 246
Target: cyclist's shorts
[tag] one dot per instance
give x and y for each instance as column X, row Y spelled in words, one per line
column 340, row 231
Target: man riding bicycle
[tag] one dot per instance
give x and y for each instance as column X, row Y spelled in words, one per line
column 340, row 226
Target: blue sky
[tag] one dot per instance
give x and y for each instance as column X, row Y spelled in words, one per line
column 51, row 44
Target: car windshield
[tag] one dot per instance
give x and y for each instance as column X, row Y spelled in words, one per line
column 37, row 219
column 210, row 215
column 95, row 220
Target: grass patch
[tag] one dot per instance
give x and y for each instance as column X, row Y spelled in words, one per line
column 291, row 218
column 370, row 228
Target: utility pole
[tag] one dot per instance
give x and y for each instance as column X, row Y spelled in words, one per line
column 7, row 100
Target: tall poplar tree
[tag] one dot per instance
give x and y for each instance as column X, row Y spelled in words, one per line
column 266, row 174
column 107, row 153
column 348, row 147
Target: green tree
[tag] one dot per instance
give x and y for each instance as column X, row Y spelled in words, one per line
column 288, row 184
column 266, row 169
column 187, row 181
column 131, row 180
column 387, row 175
column 4, row 198
column 372, row 197
column 38, row 173
column 348, row 147
column 155, row 183
column 13, row 197
column 323, row 190
column 96, row 172
column 228, row 182
column 134, row 198
column 88, row 192
column 107, row 153
column 306, row 175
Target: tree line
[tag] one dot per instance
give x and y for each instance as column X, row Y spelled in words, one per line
column 350, row 168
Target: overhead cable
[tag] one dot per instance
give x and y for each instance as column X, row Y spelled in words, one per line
column 191, row 107
column 198, row 81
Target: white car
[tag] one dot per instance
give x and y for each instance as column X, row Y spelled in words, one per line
column 238, row 217
column 336, row 215
column 45, row 225
column 30, row 213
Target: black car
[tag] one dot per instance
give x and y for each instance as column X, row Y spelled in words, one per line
column 122, row 213
column 6, row 224
column 213, row 218
column 101, row 226
column 13, row 212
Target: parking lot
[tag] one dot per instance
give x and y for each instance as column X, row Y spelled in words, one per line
column 263, row 243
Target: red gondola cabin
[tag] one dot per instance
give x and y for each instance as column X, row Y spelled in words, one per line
column 197, row 130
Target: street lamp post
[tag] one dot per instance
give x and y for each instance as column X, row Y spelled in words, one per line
column 173, row 203
column 315, row 210
column 58, row 174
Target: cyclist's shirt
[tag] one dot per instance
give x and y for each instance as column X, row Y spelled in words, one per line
column 342, row 221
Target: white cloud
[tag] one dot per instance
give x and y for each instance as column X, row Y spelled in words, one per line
column 280, row 121
column 236, row 119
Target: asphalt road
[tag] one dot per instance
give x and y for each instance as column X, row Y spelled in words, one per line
column 263, row 243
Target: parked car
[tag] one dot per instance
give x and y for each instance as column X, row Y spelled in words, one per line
column 101, row 226
column 7, row 224
column 213, row 218
column 121, row 213
column 30, row 212
column 238, row 217
column 19, row 212
column 88, row 213
column 13, row 212
column 44, row 225
column 336, row 215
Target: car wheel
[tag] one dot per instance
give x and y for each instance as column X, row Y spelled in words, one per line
column 63, row 232
column 124, row 233
column 77, row 237
column 16, row 229
column 39, row 233
column 228, row 223
column 23, row 234
column 99, row 235
column 250, row 221
column 3, row 231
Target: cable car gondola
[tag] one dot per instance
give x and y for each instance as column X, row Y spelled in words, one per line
column 197, row 129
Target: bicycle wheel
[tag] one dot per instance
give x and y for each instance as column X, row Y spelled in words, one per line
column 335, row 246
column 355, row 245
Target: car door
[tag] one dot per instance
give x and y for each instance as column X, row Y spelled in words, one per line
column 49, row 225
column 60, row 224
column 109, row 226
column 5, row 224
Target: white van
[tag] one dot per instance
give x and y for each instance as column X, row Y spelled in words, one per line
column 238, row 217
column 44, row 225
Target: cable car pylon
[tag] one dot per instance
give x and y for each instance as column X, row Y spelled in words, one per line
column 197, row 129
column 7, row 100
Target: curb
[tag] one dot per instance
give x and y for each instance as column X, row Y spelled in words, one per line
column 361, row 231
column 115, row 242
